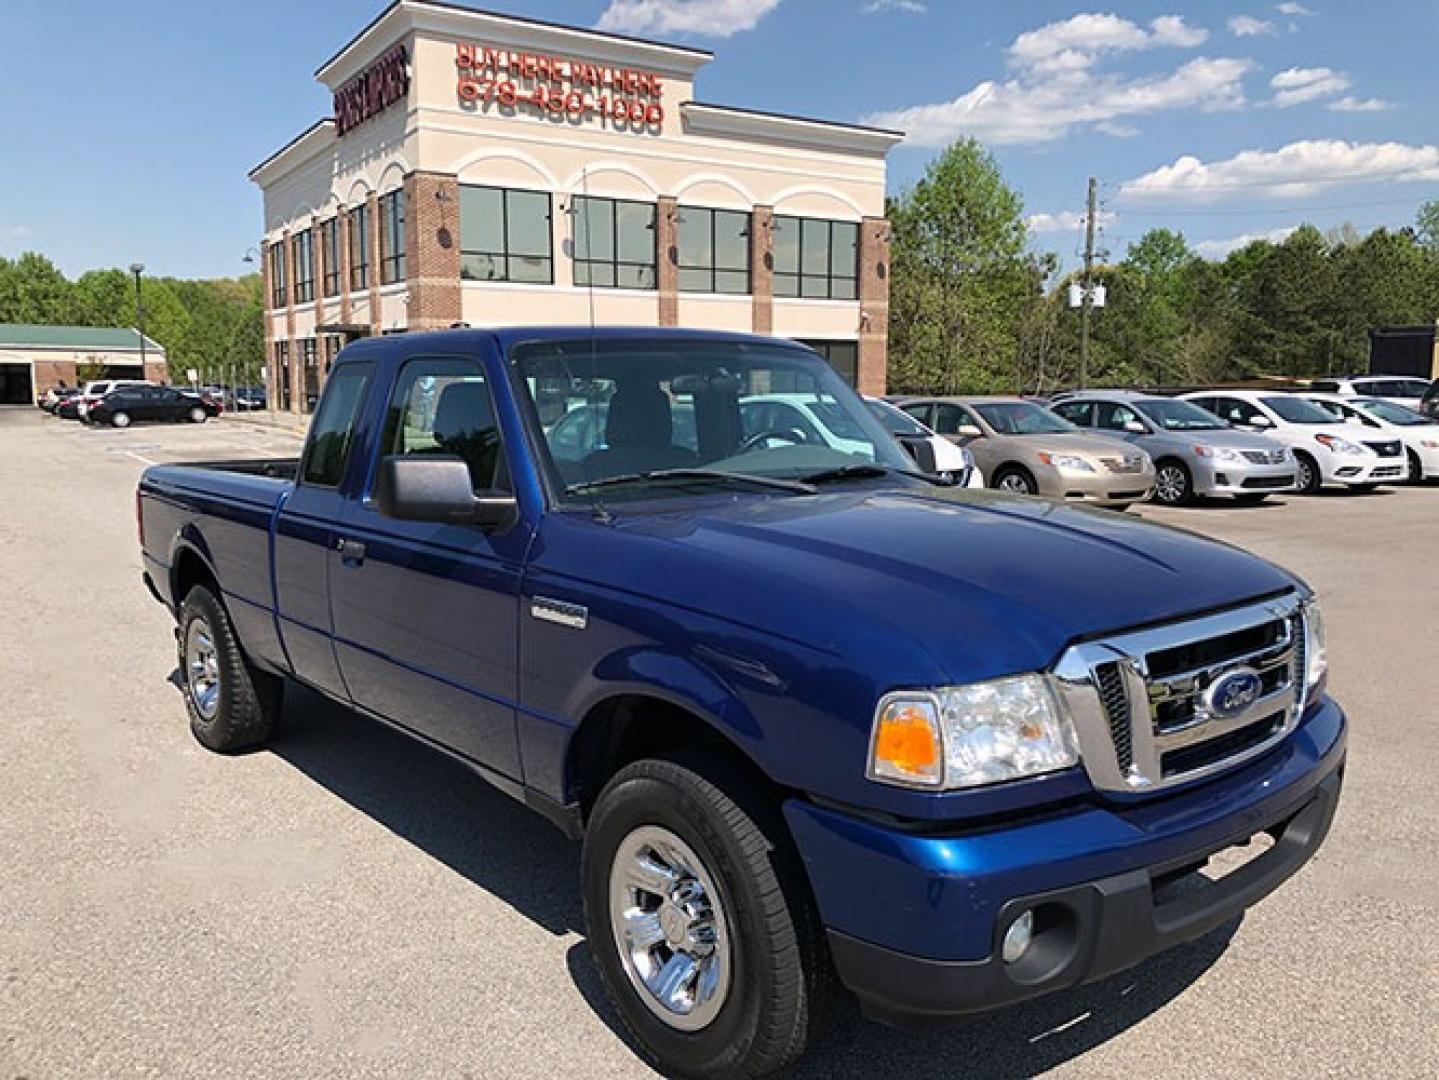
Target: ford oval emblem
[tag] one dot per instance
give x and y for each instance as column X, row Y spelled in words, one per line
column 1232, row 693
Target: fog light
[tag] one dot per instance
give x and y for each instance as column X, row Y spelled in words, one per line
column 1017, row 938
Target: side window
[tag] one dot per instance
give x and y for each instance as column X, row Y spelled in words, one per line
column 920, row 411
column 1112, row 416
column 1327, row 386
column 1076, row 412
column 1369, row 389
column 948, row 419
column 1234, row 410
column 334, row 426
column 443, row 406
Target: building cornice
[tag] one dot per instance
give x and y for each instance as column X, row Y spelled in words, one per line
column 316, row 138
column 724, row 121
column 433, row 16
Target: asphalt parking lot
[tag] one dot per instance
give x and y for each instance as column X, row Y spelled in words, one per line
column 350, row 904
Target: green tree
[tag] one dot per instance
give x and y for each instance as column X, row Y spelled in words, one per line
column 963, row 286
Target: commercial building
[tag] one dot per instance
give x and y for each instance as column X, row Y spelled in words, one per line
column 35, row 358
column 493, row 170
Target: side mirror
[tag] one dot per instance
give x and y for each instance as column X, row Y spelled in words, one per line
column 969, row 431
column 1135, row 427
column 436, row 487
column 921, row 449
column 1261, row 421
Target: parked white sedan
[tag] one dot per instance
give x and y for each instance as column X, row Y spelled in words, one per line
column 1328, row 450
column 952, row 462
column 1418, row 433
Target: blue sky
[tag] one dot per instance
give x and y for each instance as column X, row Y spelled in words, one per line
column 130, row 127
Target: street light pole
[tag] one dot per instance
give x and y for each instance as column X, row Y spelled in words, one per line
column 137, row 269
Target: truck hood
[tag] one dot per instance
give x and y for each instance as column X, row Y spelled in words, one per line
column 983, row 583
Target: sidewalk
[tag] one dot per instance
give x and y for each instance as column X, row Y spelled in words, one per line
column 284, row 423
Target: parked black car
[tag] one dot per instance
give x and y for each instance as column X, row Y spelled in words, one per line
column 123, row 407
column 68, row 407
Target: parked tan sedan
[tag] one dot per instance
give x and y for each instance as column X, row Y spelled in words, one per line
column 1025, row 448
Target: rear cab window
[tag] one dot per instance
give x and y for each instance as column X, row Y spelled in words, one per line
column 333, row 429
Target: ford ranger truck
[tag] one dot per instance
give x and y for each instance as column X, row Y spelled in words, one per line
column 820, row 722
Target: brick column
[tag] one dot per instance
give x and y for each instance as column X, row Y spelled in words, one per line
column 342, row 222
column 667, row 250
column 873, row 306
column 761, row 267
column 288, row 254
column 432, row 250
column 267, row 304
column 376, row 255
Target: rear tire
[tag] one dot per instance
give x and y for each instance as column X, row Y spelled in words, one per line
column 232, row 706
column 198, row 415
column 120, row 420
column 1015, row 479
column 1173, row 485
column 1309, row 478
column 773, row 983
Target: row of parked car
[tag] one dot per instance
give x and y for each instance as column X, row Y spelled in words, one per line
column 122, row 402
column 1116, row 447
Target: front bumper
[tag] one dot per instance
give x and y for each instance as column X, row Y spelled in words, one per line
column 1102, row 488
column 1243, row 478
column 1352, row 469
column 915, row 921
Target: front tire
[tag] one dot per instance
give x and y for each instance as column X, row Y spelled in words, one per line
column 700, row 923
column 198, row 415
column 1016, row 480
column 232, row 706
column 1416, row 469
column 1310, row 479
column 1173, row 486
column 120, row 420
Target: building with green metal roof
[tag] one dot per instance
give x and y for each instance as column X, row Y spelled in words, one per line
column 34, row 358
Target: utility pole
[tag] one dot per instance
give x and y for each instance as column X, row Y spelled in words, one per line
column 137, row 269
column 1086, row 301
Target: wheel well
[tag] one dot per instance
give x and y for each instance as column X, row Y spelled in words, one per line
column 190, row 570
column 630, row 727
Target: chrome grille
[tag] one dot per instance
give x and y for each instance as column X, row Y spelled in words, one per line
column 1130, row 464
column 1150, row 706
column 1264, row 457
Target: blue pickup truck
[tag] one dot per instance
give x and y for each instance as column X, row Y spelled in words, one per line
column 820, row 721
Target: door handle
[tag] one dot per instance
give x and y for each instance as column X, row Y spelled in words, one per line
column 352, row 552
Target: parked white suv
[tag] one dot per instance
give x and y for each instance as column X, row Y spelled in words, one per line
column 1400, row 389
column 1328, row 450
column 1418, row 433
column 97, row 389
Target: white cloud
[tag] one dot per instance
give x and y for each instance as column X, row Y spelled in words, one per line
column 909, row 7
column 1220, row 249
column 1353, row 104
column 1295, row 86
column 1066, row 221
column 1299, row 169
column 1249, row 26
column 1292, row 9
column 1032, row 110
column 1077, row 42
column 712, row 18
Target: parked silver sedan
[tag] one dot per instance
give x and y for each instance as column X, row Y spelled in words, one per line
column 1195, row 452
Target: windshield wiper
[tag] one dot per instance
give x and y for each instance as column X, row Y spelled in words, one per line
column 797, row 487
column 868, row 472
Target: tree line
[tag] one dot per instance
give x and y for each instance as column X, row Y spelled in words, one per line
column 214, row 326
column 974, row 309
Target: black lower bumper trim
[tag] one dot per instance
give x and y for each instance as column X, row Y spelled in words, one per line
column 1088, row 931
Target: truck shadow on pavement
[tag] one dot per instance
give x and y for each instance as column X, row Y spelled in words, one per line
column 453, row 815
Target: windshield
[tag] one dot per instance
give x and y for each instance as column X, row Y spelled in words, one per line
column 896, row 419
column 621, row 408
column 1393, row 387
column 1298, row 410
column 1395, row 414
column 1021, row 418
column 1180, row 415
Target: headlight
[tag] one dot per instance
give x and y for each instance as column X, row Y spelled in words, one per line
column 1340, row 446
column 1316, row 654
column 968, row 736
column 1225, row 453
column 1066, row 462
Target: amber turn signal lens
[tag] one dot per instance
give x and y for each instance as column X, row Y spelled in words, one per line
column 906, row 744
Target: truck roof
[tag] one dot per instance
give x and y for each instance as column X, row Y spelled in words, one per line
column 507, row 337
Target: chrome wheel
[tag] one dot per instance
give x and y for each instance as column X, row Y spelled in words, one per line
column 1308, row 479
column 197, row 415
column 1016, row 483
column 670, row 928
column 120, row 420
column 202, row 668
column 1171, row 485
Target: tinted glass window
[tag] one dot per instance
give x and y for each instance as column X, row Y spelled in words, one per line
column 505, row 235
column 818, row 259
column 948, row 419
column 896, row 420
column 1112, row 416
column 334, row 426
column 1298, row 410
column 1076, row 412
column 614, row 243
column 445, row 407
column 713, row 250
column 1395, row 414
column 1173, row 415
column 1021, row 418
